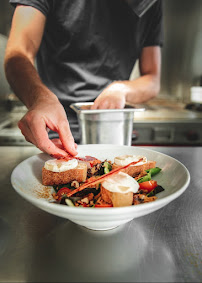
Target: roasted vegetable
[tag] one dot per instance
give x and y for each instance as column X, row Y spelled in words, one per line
column 151, row 172
column 107, row 167
column 154, row 171
column 155, row 191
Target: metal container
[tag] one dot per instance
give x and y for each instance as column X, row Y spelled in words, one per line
column 105, row 126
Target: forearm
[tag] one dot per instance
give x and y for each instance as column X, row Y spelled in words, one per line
column 147, row 85
column 142, row 89
column 118, row 93
column 24, row 80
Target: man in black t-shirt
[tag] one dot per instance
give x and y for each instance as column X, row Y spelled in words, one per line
column 85, row 51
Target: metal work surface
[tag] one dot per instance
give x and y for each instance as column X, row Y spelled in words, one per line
column 165, row 246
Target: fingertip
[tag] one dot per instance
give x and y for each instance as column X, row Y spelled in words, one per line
column 73, row 151
column 93, row 107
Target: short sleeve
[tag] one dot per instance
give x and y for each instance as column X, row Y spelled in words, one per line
column 155, row 25
column 41, row 5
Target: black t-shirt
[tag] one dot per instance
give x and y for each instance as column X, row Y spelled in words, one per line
column 89, row 43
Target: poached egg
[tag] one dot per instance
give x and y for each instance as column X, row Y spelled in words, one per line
column 121, row 183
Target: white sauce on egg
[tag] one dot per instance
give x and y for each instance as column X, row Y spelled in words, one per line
column 121, row 183
column 56, row 165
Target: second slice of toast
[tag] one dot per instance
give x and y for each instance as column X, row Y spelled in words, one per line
column 134, row 171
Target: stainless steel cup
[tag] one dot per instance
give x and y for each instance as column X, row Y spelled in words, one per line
column 105, row 126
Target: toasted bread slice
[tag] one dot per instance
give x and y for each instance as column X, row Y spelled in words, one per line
column 134, row 171
column 117, row 199
column 79, row 174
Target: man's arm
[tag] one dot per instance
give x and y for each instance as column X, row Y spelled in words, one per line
column 135, row 91
column 147, row 85
column 44, row 109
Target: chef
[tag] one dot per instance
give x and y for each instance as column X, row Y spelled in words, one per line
column 67, row 51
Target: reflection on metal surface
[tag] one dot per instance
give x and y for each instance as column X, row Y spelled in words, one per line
column 77, row 254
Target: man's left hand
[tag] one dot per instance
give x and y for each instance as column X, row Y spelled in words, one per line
column 112, row 97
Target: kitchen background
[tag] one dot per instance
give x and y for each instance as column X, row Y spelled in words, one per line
column 166, row 118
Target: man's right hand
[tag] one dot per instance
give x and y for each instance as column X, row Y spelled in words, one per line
column 48, row 113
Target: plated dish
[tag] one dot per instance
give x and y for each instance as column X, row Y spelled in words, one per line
column 173, row 177
column 90, row 182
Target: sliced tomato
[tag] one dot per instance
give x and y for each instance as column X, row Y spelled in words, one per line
column 103, row 205
column 148, row 185
column 63, row 191
column 84, row 205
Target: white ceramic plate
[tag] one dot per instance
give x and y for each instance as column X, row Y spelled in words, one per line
column 174, row 177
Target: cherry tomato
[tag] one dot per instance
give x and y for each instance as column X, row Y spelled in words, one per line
column 63, row 191
column 103, row 205
column 148, row 185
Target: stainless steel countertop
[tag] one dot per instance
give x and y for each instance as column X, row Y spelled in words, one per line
column 165, row 246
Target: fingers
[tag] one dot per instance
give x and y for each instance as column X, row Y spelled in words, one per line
column 113, row 103
column 100, row 105
column 36, row 134
column 42, row 117
column 103, row 102
column 57, row 142
column 112, row 97
column 109, row 101
column 43, row 141
column 67, row 138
